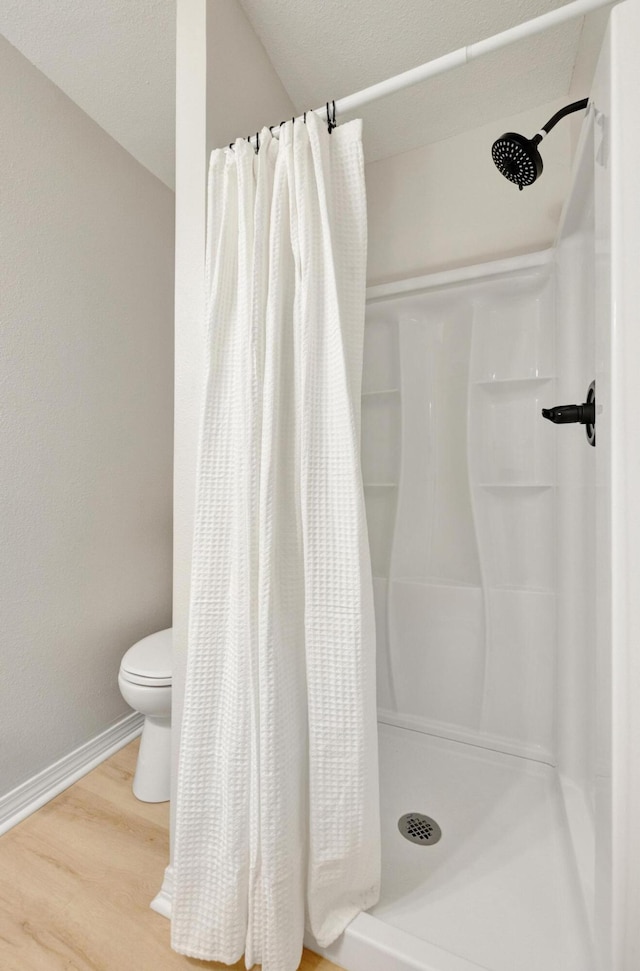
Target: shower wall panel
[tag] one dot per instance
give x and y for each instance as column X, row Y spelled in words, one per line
column 459, row 473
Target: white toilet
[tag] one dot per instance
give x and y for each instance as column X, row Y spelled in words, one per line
column 145, row 683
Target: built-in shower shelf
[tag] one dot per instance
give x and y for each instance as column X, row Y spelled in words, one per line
column 373, row 394
column 506, row 384
column 504, row 486
column 380, row 485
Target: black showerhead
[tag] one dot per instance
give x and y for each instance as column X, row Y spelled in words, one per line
column 518, row 158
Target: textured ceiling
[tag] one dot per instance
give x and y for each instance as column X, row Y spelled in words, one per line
column 116, row 60
column 329, row 49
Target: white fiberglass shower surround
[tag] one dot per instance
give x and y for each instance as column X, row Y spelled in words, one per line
column 462, row 497
column 505, row 553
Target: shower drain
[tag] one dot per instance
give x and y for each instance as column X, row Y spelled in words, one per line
column 419, row 829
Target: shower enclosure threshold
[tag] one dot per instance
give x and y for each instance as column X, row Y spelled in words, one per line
column 499, row 891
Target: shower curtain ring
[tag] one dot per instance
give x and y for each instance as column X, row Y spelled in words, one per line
column 331, row 117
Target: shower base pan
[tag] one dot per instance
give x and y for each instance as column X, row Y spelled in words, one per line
column 498, row 891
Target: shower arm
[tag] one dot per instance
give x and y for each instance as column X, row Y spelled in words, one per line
column 559, row 115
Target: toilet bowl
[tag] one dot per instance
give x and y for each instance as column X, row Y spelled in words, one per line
column 145, row 683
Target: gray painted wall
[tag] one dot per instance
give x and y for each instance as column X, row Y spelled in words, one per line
column 86, row 320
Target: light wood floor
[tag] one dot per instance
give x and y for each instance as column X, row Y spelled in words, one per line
column 76, row 879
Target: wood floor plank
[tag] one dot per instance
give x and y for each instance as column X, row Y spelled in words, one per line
column 77, row 876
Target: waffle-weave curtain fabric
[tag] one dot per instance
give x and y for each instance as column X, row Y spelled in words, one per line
column 277, row 822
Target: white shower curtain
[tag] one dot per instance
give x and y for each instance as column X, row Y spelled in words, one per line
column 277, row 810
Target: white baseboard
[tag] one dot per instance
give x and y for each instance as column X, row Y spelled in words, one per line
column 35, row 792
column 161, row 903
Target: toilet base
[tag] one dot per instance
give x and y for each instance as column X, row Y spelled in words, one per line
column 152, row 781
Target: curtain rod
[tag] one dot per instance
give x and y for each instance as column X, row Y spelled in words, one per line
column 352, row 102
